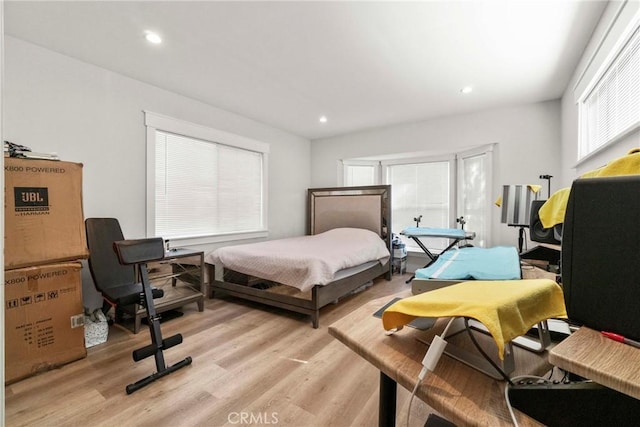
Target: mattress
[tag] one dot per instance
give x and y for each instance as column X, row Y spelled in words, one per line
column 304, row 261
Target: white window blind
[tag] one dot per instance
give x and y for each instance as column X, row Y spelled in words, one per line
column 204, row 188
column 421, row 189
column 201, row 190
column 359, row 173
column 612, row 108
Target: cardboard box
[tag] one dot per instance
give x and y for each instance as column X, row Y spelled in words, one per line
column 44, row 222
column 44, row 319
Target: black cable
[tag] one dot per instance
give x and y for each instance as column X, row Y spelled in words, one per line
column 551, row 372
column 495, row 366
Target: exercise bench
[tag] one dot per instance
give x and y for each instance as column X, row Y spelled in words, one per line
column 139, row 252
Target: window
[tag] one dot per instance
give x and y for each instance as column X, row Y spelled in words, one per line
column 358, row 173
column 440, row 188
column 610, row 108
column 474, row 192
column 203, row 185
column 421, row 188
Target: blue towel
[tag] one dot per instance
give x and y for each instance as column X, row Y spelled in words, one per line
column 498, row 263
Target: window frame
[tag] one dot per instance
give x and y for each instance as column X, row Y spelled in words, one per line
column 158, row 122
column 450, row 158
column 346, row 164
column 586, row 148
column 455, row 160
column 435, row 245
column 487, row 151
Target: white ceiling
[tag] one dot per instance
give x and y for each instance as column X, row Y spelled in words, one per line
column 362, row 64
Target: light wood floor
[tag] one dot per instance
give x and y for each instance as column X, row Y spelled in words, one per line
column 266, row 365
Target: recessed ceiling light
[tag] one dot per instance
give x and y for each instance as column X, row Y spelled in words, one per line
column 153, row 37
column 466, row 89
column 323, row 119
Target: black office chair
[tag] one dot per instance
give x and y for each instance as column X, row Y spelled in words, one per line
column 116, row 282
column 112, row 262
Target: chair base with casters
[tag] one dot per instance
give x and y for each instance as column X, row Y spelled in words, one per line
column 139, row 252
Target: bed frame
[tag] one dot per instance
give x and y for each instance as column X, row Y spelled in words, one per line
column 366, row 207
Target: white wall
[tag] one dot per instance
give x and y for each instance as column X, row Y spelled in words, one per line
column 528, row 138
column 93, row 116
column 614, row 22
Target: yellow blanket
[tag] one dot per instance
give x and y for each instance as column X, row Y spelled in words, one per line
column 508, row 308
column 552, row 212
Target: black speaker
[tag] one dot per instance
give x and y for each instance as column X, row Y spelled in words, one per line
column 601, row 254
column 537, row 232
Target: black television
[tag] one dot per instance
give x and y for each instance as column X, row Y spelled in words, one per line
column 600, row 258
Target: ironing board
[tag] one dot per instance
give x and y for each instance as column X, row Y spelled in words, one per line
column 454, row 234
column 508, row 309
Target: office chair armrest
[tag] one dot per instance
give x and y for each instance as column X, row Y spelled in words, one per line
column 139, row 251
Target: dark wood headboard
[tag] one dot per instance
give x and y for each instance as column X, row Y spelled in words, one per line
column 367, row 207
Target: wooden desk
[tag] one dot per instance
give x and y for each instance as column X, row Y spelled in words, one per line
column 591, row 355
column 459, row 393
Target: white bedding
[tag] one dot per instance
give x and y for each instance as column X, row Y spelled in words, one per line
column 305, row 261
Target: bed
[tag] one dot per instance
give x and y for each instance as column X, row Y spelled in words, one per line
column 300, row 274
